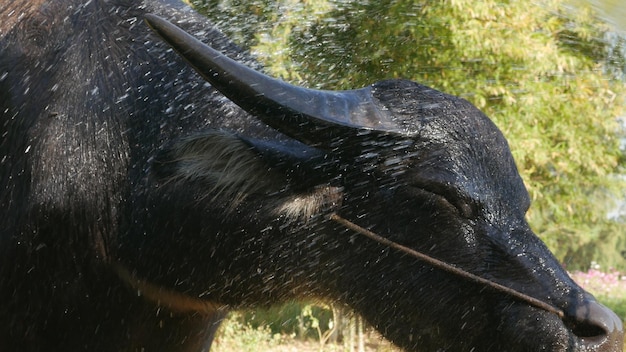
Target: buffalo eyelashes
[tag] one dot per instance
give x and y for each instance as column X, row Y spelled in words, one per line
column 452, row 197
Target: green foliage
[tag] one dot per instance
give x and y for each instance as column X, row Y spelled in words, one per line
column 301, row 319
column 543, row 73
column 236, row 334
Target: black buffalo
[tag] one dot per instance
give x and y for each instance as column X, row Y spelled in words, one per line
column 139, row 204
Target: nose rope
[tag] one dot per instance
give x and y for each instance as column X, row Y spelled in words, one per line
column 436, row 263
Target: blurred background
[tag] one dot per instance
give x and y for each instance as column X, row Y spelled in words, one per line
column 550, row 73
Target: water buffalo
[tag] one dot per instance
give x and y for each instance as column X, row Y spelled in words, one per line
column 140, row 204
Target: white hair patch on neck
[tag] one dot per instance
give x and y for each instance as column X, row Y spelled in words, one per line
column 305, row 206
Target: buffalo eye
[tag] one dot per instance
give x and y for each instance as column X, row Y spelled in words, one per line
column 448, row 196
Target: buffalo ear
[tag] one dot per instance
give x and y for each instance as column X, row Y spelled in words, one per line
column 222, row 163
column 313, row 179
column 302, row 166
column 217, row 163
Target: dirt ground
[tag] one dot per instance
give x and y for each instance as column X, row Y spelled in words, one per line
column 373, row 343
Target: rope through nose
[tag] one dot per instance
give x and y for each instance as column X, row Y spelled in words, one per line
column 448, row 267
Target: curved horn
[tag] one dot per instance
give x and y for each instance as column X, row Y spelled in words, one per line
column 311, row 116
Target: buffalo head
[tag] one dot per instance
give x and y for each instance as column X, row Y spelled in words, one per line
column 417, row 166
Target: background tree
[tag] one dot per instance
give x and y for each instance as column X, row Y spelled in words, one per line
column 549, row 78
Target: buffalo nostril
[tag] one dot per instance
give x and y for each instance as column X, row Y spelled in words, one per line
column 595, row 325
column 586, row 329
